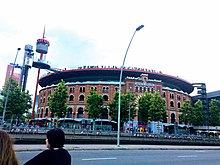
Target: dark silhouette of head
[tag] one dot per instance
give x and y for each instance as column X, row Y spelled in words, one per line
column 56, row 138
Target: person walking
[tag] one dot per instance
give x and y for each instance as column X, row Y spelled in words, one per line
column 7, row 153
column 55, row 154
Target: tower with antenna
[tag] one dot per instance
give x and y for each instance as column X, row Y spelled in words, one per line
column 42, row 48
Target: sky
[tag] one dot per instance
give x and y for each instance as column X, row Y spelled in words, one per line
column 179, row 38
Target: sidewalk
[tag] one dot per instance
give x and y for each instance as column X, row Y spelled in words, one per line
column 40, row 147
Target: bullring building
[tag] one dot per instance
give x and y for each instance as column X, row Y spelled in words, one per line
column 105, row 80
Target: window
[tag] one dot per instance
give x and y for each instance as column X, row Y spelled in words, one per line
column 46, row 113
column 93, row 88
column 136, row 89
column 171, row 95
column 80, row 113
column 69, row 112
column 171, row 104
column 178, row 97
column 179, row 104
column 164, row 94
column 71, row 98
column 42, row 112
column 140, row 89
column 82, row 89
column 105, row 89
column 81, row 98
column 105, row 97
column 173, row 118
column 152, row 90
column 71, row 90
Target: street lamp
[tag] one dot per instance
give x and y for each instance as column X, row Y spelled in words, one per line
column 9, row 85
column 119, row 95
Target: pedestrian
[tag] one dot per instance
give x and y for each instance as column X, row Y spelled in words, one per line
column 7, row 153
column 55, row 154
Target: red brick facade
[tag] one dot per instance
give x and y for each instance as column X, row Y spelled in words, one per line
column 78, row 91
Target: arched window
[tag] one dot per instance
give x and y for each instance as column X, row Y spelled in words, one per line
column 145, row 89
column 71, row 90
column 71, row 98
column 171, row 104
column 105, row 97
column 82, row 89
column 46, row 113
column 152, row 90
column 81, row 98
column 164, row 94
column 136, row 89
column 69, row 112
column 171, row 95
column 93, row 88
column 140, row 89
column 173, row 120
column 179, row 104
column 42, row 112
column 105, row 89
column 80, row 113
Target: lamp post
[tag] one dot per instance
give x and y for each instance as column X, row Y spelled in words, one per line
column 9, row 85
column 119, row 96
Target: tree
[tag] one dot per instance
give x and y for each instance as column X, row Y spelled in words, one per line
column 197, row 114
column 157, row 111
column 128, row 107
column 19, row 102
column 94, row 104
column 214, row 112
column 127, row 104
column 113, row 107
column 57, row 100
column 186, row 111
column 143, row 107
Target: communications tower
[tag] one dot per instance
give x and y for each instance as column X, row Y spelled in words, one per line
column 42, row 48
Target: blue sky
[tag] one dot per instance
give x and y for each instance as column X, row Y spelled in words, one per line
column 180, row 38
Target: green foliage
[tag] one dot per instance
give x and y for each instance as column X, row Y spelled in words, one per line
column 57, row 100
column 144, row 107
column 127, row 104
column 197, row 114
column 186, row 110
column 157, row 111
column 113, row 107
column 19, row 102
column 214, row 112
column 95, row 105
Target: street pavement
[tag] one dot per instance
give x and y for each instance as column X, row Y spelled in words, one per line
column 40, row 147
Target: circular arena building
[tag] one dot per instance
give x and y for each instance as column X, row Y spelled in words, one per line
column 105, row 80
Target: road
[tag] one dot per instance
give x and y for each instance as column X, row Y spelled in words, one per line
column 137, row 157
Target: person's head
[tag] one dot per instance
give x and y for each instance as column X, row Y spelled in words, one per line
column 55, row 138
column 7, row 153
